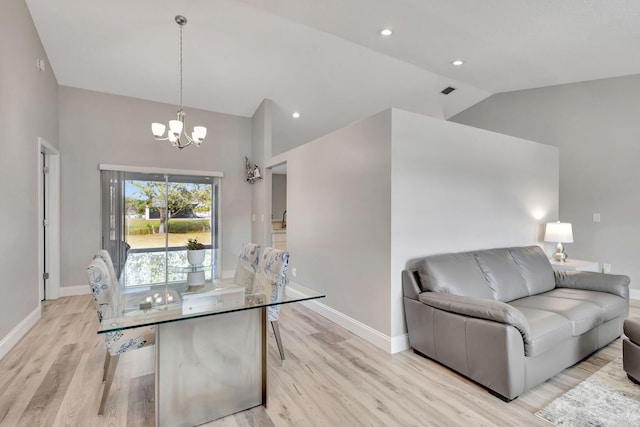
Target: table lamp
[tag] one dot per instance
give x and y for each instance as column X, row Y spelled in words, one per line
column 559, row 232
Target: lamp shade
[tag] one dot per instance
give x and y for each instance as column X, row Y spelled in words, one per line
column 199, row 132
column 158, row 129
column 176, row 127
column 558, row 232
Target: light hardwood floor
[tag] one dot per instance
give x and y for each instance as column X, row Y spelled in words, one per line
column 330, row 378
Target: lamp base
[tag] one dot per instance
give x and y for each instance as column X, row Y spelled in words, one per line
column 560, row 254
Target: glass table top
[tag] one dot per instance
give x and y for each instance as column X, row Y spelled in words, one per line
column 190, row 294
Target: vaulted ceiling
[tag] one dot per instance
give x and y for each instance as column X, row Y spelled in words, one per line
column 326, row 58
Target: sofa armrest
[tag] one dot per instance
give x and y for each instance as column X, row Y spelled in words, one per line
column 479, row 308
column 410, row 287
column 591, row 281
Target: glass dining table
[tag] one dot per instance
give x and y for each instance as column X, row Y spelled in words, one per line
column 211, row 340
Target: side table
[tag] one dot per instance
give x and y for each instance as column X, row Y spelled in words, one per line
column 574, row 265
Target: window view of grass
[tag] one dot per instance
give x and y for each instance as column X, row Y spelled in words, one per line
column 143, row 233
column 188, row 210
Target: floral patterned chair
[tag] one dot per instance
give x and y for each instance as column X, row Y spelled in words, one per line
column 117, row 342
column 272, row 277
column 106, row 257
column 247, row 266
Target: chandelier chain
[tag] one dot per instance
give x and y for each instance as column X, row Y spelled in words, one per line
column 181, row 67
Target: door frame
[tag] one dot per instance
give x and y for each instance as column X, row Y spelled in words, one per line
column 52, row 290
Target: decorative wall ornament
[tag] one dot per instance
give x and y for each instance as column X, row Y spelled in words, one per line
column 253, row 172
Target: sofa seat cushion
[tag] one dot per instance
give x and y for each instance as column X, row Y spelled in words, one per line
column 632, row 329
column 612, row 305
column 547, row 330
column 583, row 315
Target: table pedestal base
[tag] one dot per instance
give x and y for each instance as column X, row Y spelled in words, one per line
column 210, row 367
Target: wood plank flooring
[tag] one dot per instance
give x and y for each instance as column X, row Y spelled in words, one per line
column 330, row 378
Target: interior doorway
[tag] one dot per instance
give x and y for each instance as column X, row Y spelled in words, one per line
column 48, row 221
column 279, row 206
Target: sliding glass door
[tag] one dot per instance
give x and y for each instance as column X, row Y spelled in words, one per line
column 148, row 219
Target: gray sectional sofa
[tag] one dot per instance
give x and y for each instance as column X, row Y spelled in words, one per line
column 505, row 319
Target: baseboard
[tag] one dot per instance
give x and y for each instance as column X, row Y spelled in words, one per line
column 375, row 337
column 634, row 293
column 399, row 343
column 70, row 291
column 12, row 338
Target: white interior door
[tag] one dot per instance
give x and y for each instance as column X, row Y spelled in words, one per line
column 48, row 221
column 44, row 276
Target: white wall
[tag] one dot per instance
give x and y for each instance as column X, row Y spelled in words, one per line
column 457, row 188
column 260, row 151
column 28, row 110
column 596, row 126
column 366, row 200
column 100, row 128
column 338, row 216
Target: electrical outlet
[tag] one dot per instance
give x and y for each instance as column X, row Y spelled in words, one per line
column 253, row 217
column 294, row 272
column 596, row 217
column 606, row 268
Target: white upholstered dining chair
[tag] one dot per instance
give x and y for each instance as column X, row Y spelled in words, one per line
column 271, row 277
column 117, row 342
column 247, row 266
column 106, row 257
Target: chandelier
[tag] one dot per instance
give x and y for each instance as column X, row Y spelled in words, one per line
column 176, row 134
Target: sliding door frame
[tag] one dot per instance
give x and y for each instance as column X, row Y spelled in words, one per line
column 162, row 171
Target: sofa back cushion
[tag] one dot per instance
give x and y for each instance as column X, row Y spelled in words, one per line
column 457, row 274
column 535, row 268
column 502, row 274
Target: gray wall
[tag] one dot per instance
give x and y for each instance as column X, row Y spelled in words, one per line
column 28, row 110
column 338, row 216
column 100, row 128
column 278, row 195
column 457, row 188
column 596, row 126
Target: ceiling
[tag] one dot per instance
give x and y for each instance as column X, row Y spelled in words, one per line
column 325, row 58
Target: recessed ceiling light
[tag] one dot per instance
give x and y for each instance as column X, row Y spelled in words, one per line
column 386, row 32
column 295, row 115
column 457, row 62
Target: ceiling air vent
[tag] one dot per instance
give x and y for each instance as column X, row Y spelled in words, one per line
column 447, row 90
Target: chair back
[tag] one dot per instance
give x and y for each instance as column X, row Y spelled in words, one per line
column 247, row 266
column 101, row 285
column 106, row 257
column 272, row 277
